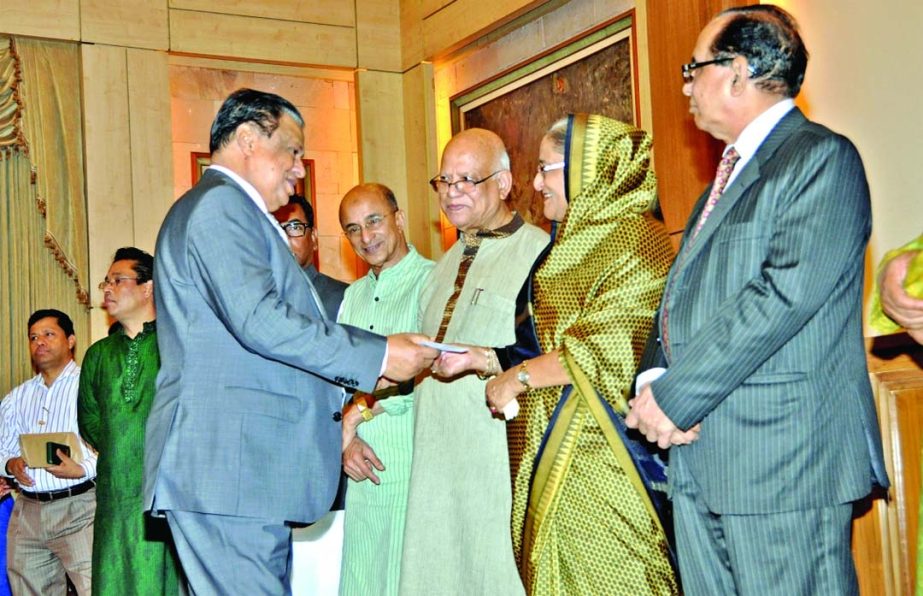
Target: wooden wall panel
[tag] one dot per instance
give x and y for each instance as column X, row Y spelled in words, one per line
column 463, row 21
column 150, row 141
column 901, row 403
column 325, row 12
column 261, row 39
column 685, row 158
column 428, row 7
column 885, row 527
column 107, row 140
column 422, row 162
column 380, row 111
column 378, row 34
column 130, row 23
column 53, row 19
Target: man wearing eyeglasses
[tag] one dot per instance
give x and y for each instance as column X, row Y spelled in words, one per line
column 760, row 331
column 297, row 219
column 378, row 429
column 244, row 436
column 132, row 553
column 457, row 536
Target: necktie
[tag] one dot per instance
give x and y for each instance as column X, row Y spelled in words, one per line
column 725, row 167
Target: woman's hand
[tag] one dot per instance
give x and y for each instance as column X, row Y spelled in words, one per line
column 503, row 388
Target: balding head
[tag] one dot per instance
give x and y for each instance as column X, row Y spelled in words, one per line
column 364, row 190
column 475, row 155
column 486, row 143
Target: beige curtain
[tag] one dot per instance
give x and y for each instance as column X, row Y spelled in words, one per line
column 43, row 240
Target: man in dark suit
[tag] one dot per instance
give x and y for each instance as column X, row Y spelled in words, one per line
column 761, row 331
column 297, row 219
column 244, row 433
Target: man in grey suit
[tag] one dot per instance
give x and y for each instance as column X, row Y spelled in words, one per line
column 761, row 331
column 297, row 219
column 244, row 433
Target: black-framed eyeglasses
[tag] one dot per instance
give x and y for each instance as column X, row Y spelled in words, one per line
column 295, row 228
column 688, row 69
column 464, row 185
column 371, row 223
column 115, row 281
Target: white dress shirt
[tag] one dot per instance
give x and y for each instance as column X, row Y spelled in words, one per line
column 34, row 407
column 751, row 137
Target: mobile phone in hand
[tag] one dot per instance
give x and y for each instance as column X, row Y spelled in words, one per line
column 51, row 452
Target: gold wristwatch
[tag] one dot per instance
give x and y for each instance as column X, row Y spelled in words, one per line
column 524, row 377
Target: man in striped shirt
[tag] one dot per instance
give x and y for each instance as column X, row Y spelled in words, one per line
column 51, row 530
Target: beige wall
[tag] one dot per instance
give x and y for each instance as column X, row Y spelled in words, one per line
column 324, row 98
column 127, row 115
column 863, row 81
column 126, row 123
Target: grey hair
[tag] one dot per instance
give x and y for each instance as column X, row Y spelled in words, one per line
column 503, row 160
column 557, row 133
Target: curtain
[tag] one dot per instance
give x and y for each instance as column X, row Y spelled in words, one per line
column 43, row 240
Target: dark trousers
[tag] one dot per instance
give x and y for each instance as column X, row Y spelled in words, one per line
column 793, row 553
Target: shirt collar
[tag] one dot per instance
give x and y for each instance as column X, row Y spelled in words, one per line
column 254, row 195
column 397, row 267
column 146, row 328
column 753, row 135
column 69, row 369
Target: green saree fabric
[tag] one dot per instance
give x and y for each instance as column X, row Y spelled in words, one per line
column 582, row 522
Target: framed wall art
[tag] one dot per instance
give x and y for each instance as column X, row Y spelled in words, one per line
column 594, row 73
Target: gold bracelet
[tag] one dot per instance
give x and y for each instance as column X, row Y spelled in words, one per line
column 493, row 365
column 364, row 409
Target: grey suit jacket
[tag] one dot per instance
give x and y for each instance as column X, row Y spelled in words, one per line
column 245, row 421
column 329, row 289
column 765, row 332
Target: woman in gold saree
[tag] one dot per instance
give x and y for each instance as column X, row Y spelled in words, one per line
column 583, row 521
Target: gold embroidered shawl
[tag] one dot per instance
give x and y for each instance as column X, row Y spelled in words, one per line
column 594, row 300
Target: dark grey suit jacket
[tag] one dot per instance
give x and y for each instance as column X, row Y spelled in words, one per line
column 329, row 289
column 245, row 421
column 765, row 332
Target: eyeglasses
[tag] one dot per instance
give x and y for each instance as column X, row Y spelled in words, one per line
column 372, row 223
column 688, row 69
column 463, row 185
column 115, row 281
column 544, row 168
column 295, row 228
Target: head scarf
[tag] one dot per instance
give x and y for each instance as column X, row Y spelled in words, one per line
column 596, row 293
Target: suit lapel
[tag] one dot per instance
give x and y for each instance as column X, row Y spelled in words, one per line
column 742, row 183
column 267, row 226
column 732, row 194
